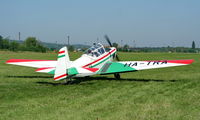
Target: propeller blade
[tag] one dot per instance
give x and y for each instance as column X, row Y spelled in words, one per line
column 108, row 40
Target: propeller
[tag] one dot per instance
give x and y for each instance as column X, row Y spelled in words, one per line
column 109, row 42
column 116, row 75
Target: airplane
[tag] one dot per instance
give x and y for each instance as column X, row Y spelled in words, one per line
column 97, row 60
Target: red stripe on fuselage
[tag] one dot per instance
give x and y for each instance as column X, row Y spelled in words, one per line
column 92, row 69
column 99, row 58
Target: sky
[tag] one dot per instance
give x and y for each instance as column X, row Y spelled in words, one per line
column 139, row 23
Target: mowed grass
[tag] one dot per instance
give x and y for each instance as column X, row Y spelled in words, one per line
column 158, row 94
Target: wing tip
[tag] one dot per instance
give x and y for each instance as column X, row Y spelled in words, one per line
column 184, row 61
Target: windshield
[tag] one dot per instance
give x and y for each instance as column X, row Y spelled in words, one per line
column 96, row 50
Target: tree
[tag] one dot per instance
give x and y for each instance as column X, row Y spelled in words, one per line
column 193, row 45
column 31, row 42
column 126, row 47
column 115, row 45
column 71, row 48
column 14, row 46
column 6, row 43
column 1, row 42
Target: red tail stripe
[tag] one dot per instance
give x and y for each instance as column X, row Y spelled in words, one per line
column 60, row 76
column 61, row 52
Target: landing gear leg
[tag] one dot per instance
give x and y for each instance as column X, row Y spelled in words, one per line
column 67, row 81
column 70, row 81
column 117, row 76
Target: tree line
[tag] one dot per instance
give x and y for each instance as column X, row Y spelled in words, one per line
column 30, row 44
column 127, row 48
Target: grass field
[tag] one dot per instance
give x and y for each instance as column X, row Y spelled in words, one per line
column 158, row 94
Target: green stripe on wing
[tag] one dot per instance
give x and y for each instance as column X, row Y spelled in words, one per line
column 115, row 67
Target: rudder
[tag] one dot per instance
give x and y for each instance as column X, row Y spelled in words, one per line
column 62, row 64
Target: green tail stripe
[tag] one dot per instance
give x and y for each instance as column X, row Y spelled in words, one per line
column 61, row 56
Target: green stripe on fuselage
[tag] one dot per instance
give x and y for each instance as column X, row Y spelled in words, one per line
column 72, row 71
column 102, row 60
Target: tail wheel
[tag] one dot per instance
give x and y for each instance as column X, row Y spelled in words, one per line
column 117, row 76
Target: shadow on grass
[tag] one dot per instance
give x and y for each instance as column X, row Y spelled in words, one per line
column 29, row 76
column 85, row 79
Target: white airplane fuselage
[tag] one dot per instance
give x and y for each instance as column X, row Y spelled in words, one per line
column 86, row 61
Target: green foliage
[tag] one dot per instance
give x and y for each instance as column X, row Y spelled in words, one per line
column 193, row 45
column 30, row 44
column 14, row 46
column 71, row 48
column 115, row 45
column 1, row 42
column 6, row 43
column 166, row 93
column 126, row 48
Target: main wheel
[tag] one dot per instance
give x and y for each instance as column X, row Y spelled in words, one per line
column 117, row 76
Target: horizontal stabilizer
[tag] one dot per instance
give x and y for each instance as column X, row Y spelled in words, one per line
column 50, row 70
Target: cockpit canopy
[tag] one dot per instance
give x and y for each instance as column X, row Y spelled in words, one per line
column 96, row 50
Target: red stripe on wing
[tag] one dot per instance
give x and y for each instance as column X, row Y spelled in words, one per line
column 174, row 61
column 25, row 60
column 44, row 68
column 181, row 61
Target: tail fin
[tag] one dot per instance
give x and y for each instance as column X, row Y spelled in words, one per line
column 62, row 64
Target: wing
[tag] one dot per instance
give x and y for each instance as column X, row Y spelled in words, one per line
column 129, row 66
column 45, row 66
column 32, row 63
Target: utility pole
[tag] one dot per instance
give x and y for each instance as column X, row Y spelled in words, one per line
column 19, row 36
column 68, row 40
column 56, row 45
column 97, row 40
column 122, row 44
column 134, row 45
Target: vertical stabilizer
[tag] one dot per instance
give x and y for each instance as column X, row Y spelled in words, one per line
column 62, row 64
